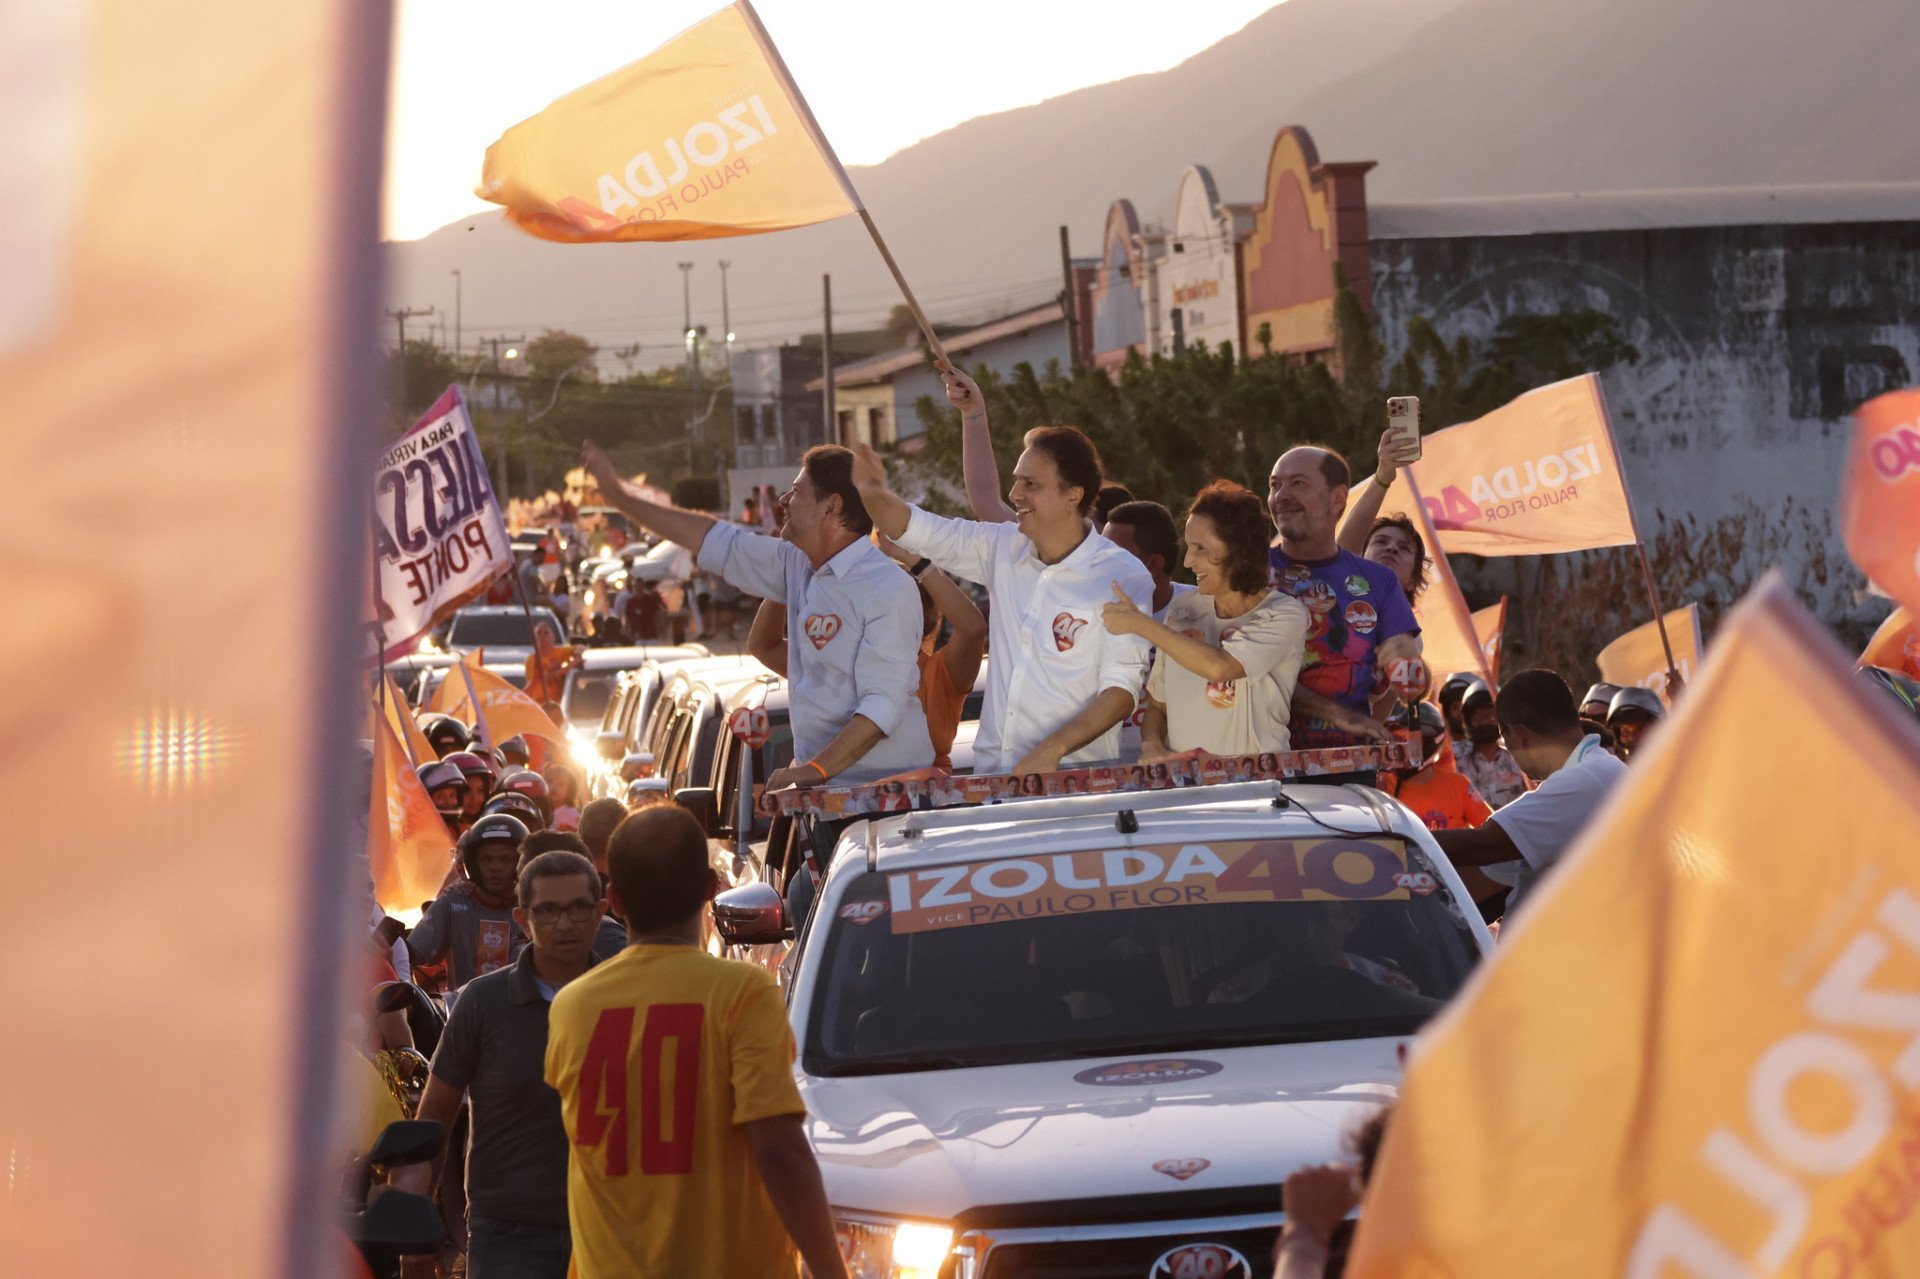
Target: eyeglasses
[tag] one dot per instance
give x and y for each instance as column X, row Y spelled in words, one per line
column 550, row 912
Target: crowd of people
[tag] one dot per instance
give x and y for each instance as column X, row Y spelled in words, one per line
column 565, row 928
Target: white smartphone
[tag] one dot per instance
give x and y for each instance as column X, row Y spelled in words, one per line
column 1403, row 416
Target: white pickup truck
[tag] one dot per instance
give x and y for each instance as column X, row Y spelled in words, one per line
column 1091, row 1036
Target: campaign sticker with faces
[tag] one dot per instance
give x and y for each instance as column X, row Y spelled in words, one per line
column 1182, row 1169
column 1166, row 1070
column 1361, row 617
column 1221, row 695
column 1318, row 596
column 821, row 628
column 1358, row 585
column 1293, row 576
column 1066, row 630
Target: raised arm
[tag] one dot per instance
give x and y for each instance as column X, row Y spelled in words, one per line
column 884, row 507
column 978, row 465
column 683, row 528
column 968, row 644
column 1360, row 515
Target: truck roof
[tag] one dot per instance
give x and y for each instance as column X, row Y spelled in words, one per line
column 989, row 832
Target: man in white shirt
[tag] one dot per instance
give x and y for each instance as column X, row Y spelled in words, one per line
column 1576, row 775
column 853, row 617
column 1059, row 683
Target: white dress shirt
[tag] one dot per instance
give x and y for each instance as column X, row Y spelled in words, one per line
column 1051, row 656
column 853, row 643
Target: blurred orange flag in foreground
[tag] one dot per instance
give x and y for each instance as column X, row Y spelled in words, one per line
column 1638, row 658
column 706, row 136
column 1880, row 494
column 505, row 710
column 1896, row 645
column 1537, row 476
column 1694, row 1053
column 400, row 715
column 408, row 846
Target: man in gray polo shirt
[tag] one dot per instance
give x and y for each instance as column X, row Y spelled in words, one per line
column 494, row 1051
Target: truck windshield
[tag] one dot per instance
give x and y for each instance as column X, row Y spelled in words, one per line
column 1104, row 953
column 504, row 630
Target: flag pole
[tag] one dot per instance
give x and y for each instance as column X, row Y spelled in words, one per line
column 846, row 184
column 1447, row 581
column 1639, row 543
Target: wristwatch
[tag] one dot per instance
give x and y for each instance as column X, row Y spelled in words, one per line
column 920, row 566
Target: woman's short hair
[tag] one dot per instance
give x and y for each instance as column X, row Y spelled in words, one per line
column 1241, row 520
column 1422, row 559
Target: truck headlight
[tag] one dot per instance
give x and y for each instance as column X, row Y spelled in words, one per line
column 879, row 1249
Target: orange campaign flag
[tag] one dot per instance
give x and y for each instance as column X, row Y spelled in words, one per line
column 706, row 136
column 451, row 696
column 191, row 232
column 1880, row 494
column 408, row 844
column 400, row 715
column 1695, row 1052
column 505, row 710
column 1450, row 639
column 1896, row 645
column 1638, row 659
column 1538, row 476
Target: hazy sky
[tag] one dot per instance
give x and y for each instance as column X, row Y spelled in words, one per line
column 880, row 74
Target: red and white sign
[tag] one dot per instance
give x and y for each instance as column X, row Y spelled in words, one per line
column 821, row 628
column 751, row 725
column 438, row 535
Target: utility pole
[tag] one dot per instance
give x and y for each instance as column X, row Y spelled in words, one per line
column 832, row 417
column 726, row 320
column 457, row 349
column 513, row 346
column 400, row 318
column 686, row 326
column 1067, row 300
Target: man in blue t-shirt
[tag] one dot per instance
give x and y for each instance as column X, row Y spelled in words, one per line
column 1361, row 619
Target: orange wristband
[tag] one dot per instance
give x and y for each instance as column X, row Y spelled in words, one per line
column 814, row 764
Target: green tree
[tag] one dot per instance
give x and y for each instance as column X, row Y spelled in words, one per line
column 424, row 370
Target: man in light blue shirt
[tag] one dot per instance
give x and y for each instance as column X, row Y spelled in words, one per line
column 853, row 617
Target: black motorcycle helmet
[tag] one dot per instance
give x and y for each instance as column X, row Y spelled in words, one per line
column 492, row 828
column 515, row 752
column 446, row 735
column 518, row 806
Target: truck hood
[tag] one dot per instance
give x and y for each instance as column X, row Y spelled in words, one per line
column 934, row 1143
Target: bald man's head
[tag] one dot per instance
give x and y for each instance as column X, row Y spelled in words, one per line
column 1307, row 493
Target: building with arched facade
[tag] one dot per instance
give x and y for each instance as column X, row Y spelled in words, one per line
column 1195, row 269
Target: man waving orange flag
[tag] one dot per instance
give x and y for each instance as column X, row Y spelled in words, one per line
column 706, row 136
column 1695, row 1051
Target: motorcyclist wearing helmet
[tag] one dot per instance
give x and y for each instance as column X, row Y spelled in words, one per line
column 446, row 735
column 480, row 773
column 1631, row 715
column 471, row 922
column 1451, row 694
column 1481, row 758
column 517, row 806
column 515, row 752
column 1440, row 798
column 524, row 781
column 446, row 786
column 1598, row 701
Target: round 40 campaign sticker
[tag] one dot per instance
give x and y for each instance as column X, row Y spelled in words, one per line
column 1163, row 1070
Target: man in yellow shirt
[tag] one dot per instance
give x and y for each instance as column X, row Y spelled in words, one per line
column 675, row 1075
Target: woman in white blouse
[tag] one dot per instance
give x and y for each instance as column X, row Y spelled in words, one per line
column 1228, row 654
